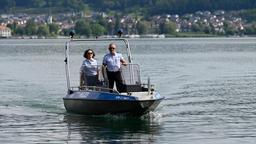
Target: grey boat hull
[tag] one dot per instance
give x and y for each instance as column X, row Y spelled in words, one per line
column 100, row 103
column 101, row 107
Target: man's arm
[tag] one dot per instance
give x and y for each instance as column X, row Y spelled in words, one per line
column 123, row 61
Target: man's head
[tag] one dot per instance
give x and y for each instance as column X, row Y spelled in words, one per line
column 112, row 48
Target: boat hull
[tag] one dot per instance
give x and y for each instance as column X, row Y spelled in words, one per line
column 101, row 107
column 96, row 103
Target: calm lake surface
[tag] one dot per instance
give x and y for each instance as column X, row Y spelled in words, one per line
column 209, row 85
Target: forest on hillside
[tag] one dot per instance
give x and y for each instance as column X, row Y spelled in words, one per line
column 169, row 17
column 144, row 7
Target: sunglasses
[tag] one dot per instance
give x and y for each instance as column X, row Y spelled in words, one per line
column 112, row 48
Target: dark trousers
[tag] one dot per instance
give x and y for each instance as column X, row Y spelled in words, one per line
column 92, row 80
column 115, row 77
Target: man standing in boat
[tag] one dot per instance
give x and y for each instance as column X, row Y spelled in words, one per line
column 113, row 61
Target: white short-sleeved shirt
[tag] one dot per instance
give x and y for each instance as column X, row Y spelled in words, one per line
column 113, row 62
column 89, row 67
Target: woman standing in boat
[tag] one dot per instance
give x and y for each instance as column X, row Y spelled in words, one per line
column 113, row 61
column 89, row 71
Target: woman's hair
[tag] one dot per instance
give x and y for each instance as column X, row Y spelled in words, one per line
column 85, row 53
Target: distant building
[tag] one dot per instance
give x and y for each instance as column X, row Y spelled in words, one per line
column 5, row 32
column 49, row 19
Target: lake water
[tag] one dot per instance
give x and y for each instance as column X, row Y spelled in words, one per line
column 209, row 85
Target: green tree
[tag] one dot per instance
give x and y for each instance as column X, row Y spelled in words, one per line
column 83, row 28
column 43, row 30
column 54, row 29
column 66, row 32
column 110, row 27
column 102, row 21
column 207, row 29
column 76, row 5
column 39, row 3
column 168, row 28
column 202, row 27
column 13, row 27
column 20, row 31
column 31, row 28
column 229, row 28
column 143, row 27
column 117, row 22
column 12, row 5
column 196, row 27
column 151, row 7
column 97, row 29
column 251, row 29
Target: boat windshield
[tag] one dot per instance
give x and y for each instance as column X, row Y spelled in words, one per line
column 130, row 76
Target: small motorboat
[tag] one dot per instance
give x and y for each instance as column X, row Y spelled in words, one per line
column 135, row 99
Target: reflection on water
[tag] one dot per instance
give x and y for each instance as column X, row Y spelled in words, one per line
column 109, row 128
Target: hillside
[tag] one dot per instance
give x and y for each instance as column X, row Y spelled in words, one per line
column 102, row 17
column 141, row 7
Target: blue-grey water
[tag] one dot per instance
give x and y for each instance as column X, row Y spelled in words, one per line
column 209, row 85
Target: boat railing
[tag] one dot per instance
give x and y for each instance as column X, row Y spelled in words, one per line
column 131, row 74
column 94, row 88
column 131, row 80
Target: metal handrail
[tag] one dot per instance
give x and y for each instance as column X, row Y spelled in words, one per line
column 110, row 39
column 94, row 88
column 66, row 60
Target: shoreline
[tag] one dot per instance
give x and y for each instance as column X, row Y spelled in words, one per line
column 151, row 36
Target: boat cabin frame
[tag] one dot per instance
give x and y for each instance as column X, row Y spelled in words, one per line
column 129, row 70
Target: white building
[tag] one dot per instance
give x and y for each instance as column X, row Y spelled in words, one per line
column 49, row 19
column 5, row 32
